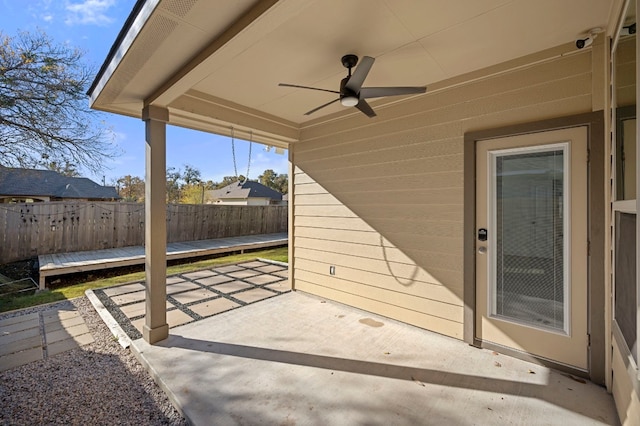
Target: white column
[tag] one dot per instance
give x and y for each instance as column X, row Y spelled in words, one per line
column 155, row 322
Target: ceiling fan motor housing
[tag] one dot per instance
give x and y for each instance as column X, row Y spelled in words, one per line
column 347, row 97
column 349, row 61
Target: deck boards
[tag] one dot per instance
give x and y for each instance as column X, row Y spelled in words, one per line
column 66, row 263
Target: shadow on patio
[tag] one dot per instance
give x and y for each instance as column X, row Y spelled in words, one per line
column 295, row 359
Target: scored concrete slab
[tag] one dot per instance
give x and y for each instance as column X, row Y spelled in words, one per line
column 183, row 286
column 18, row 319
column 31, row 321
column 67, row 333
column 35, row 336
column 65, row 345
column 228, row 269
column 138, row 309
column 129, row 288
column 8, row 338
column 21, row 344
column 271, row 268
column 232, row 286
column 175, row 279
column 263, row 279
column 292, row 359
column 194, row 296
column 253, row 295
column 280, row 286
column 20, row 358
column 243, row 274
column 124, row 299
column 199, row 274
column 254, row 264
column 216, row 279
column 213, row 307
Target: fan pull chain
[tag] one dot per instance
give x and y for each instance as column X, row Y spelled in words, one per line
column 233, row 153
column 249, row 160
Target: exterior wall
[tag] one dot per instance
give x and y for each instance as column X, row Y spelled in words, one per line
column 382, row 200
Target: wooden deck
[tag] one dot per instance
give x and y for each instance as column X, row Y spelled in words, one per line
column 82, row 261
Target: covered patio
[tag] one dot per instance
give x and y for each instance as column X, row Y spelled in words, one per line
column 395, row 204
column 298, row 359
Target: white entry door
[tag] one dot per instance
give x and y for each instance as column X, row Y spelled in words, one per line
column 531, row 244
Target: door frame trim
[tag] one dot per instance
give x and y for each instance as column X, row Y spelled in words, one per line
column 594, row 121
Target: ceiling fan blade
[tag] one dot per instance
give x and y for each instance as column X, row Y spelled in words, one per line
column 321, row 106
column 378, row 92
column 366, row 108
column 307, row 87
column 362, row 70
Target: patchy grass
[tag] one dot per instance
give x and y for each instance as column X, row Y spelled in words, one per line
column 9, row 303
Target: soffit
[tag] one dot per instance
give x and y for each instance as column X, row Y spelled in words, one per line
column 179, row 58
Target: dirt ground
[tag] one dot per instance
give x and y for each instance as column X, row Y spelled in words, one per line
column 23, row 269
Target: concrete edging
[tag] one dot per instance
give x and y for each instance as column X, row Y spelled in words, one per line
column 113, row 325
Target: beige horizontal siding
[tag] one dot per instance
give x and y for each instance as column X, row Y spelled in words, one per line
column 382, row 199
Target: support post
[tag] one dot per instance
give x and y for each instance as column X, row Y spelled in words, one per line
column 155, row 246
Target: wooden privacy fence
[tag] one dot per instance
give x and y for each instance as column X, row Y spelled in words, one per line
column 31, row 229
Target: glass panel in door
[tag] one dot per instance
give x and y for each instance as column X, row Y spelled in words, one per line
column 529, row 267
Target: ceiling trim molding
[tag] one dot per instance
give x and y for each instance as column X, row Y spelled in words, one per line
column 200, row 111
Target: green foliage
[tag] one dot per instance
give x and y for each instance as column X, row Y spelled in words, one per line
column 187, row 187
column 279, row 182
column 131, row 188
column 45, row 118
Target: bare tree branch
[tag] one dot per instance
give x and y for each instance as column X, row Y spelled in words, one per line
column 44, row 113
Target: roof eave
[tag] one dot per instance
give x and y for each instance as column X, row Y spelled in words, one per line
column 136, row 20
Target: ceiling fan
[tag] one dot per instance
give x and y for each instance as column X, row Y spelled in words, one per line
column 351, row 91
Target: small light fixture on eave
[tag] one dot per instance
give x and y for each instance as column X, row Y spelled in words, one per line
column 628, row 30
column 581, row 43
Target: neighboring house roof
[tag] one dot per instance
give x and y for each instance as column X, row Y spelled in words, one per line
column 47, row 183
column 247, row 189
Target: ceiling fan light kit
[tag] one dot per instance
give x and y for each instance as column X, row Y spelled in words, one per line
column 351, row 91
column 349, row 101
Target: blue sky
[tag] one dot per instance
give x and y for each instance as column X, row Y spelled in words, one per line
column 92, row 26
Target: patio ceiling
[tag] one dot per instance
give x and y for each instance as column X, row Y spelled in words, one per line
column 217, row 64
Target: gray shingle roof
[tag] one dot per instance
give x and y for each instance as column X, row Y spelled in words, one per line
column 248, row 189
column 47, row 183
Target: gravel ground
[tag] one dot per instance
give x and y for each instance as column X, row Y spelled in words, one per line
column 98, row 384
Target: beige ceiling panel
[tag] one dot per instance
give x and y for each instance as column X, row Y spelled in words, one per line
column 423, row 18
column 410, row 65
column 514, row 30
column 306, row 50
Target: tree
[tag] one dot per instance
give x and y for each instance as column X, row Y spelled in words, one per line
column 174, row 176
column 191, row 175
column 66, row 169
column 131, row 188
column 193, row 194
column 279, row 182
column 44, row 114
column 228, row 180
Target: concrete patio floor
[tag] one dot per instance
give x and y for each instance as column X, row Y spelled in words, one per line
column 296, row 359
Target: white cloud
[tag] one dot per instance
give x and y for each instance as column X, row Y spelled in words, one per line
column 47, row 18
column 89, row 12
